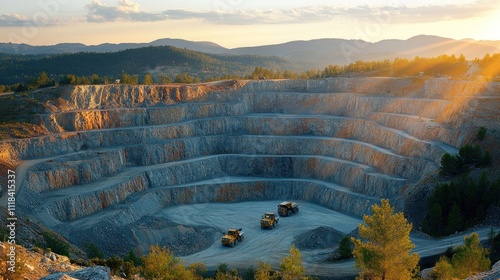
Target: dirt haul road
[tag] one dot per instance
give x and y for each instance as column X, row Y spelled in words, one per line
column 273, row 245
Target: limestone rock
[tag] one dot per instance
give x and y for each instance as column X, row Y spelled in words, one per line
column 493, row 274
column 88, row 273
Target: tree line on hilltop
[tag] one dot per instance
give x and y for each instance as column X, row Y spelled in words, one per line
column 162, row 65
column 443, row 65
column 24, row 68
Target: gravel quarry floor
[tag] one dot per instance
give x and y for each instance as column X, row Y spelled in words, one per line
column 272, row 245
column 261, row 244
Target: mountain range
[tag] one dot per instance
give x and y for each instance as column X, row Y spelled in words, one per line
column 316, row 53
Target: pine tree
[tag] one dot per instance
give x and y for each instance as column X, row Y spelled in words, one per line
column 148, row 79
column 455, row 220
column 448, row 164
column 471, row 258
column 160, row 263
column 263, row 272
column 443, row 270
column 384, row 250
column 227, row 275
column 291, row 266
column 345, row 248
column 434, row 221
column 95, row 80
column 43, row 79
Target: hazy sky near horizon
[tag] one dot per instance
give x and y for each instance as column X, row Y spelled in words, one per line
column 235, row 23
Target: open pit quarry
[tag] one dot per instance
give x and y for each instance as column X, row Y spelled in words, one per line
column 126, row 167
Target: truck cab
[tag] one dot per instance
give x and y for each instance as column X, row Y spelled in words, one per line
column 286, row 208
column 232, row 237
column 269, row 220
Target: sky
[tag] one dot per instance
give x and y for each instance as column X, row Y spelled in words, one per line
column 238, row 23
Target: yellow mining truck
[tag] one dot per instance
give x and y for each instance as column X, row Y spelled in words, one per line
column 232, row 237
column 286, row 208
column 269, row 220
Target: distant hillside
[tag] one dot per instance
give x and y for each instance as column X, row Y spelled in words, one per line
column 306, row 54
column 322, row 52
column 206, row 47
column 20, row 68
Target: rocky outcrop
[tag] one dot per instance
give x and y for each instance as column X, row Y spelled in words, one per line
column 493, row 274
column 37, row 264
column 120, row 153
column 88, row 273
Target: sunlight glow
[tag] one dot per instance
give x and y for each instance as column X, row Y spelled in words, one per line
column 491, row 31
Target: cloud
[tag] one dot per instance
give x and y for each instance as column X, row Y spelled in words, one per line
column 434, row 13
column 237, row 17
column 125, row 10
column 13, row 20
column 16, row 20
column 396, row 14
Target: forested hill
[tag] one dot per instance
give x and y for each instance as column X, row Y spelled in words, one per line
column 170, row 60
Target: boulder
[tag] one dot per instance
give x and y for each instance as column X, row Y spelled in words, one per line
column 88, row 273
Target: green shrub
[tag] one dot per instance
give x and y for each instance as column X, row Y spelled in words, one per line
column 249, row 273
column 223, row 268
column 344, row 251
column 468, row 156
column 93, row 251
column 129, row 269
column 133, row 258
column 114, row 263
column 98, row 261
column 481, row 133
column 443, row 269
column 55, row 244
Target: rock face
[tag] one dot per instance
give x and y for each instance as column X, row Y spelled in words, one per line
column 120, row 153
column 39, row 264
column 88, row 273
column 493, row 274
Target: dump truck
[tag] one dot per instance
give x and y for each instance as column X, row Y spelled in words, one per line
column 269, row 220
column 232, row 237
column 286, row 208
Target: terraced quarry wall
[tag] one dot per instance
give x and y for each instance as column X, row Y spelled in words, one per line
column 119, row 154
